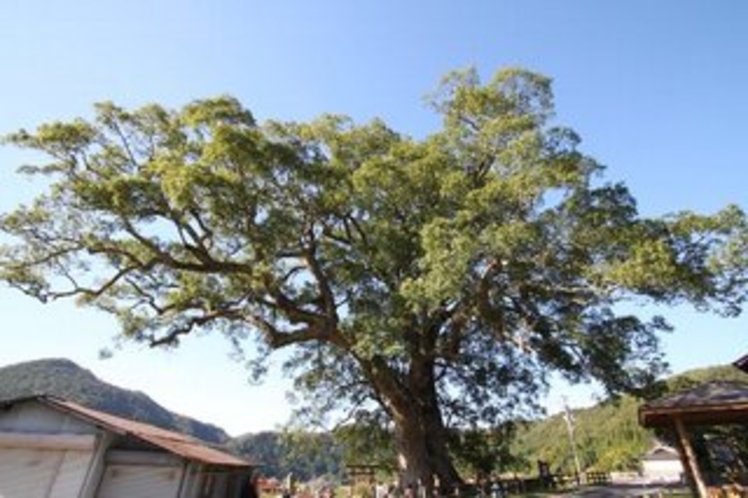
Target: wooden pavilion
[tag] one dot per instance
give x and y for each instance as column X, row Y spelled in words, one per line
column 709, row 404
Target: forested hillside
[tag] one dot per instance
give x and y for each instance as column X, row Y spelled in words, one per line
column 608, row 435
column 306, row 456
column 65, row 379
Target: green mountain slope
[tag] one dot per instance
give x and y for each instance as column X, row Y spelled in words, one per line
column 607, row 436
column 305, row 456
column 65, row 379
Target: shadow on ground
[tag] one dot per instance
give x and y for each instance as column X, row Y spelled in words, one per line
column 628, row 490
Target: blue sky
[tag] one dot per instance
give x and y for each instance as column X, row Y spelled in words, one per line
column 656, row 90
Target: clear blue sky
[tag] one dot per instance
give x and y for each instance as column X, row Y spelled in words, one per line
column 656, row 89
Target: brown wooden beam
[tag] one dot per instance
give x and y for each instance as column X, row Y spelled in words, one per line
column 688, row 457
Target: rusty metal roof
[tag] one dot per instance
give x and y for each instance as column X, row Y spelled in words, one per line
column 179, row 444
column 717, row 402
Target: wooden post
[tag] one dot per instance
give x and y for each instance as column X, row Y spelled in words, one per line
column 689, row 458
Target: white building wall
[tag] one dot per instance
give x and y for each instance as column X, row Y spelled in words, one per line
column 37, row 418
column 139, row 481
column 662, row 470
column 36, row 473
column 43, row 453
column 96, row 467
column 71, row 474
column 46, row 453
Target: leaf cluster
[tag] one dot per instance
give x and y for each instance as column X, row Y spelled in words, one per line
column 466, row 265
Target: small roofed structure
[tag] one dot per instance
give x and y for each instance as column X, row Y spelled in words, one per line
column 717, row 402
column 53, row 447
column 741, row 363
column 662, row 463
column 713, row 403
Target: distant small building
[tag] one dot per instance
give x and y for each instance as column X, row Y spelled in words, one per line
column 662, row 464
column 52, row 448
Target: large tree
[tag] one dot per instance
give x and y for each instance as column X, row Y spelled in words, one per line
column 431, row 283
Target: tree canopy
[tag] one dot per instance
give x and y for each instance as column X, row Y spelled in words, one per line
column 427, row 283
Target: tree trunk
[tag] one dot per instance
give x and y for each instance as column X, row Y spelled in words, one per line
column 423, row 457
column 420, row 435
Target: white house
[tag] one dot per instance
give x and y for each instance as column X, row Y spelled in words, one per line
column 52, row 448
column 662, row 464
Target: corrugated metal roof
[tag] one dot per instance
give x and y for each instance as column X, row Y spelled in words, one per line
column 174, row 442
column 710, row 403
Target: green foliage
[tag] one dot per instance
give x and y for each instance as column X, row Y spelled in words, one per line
column 479, row 453
column 305, row 455
column 367, row 443
column 608, row 436
column 427, row 280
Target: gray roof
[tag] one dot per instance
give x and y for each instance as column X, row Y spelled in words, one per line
column 661, row 452
column 741, row 363
column 710, row 403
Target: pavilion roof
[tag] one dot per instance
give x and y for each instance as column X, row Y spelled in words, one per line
column 712, row 403
column 741, row 363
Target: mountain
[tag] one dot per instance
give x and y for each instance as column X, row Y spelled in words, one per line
column 607, row 436
column 305, row 455
column 65, row 379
